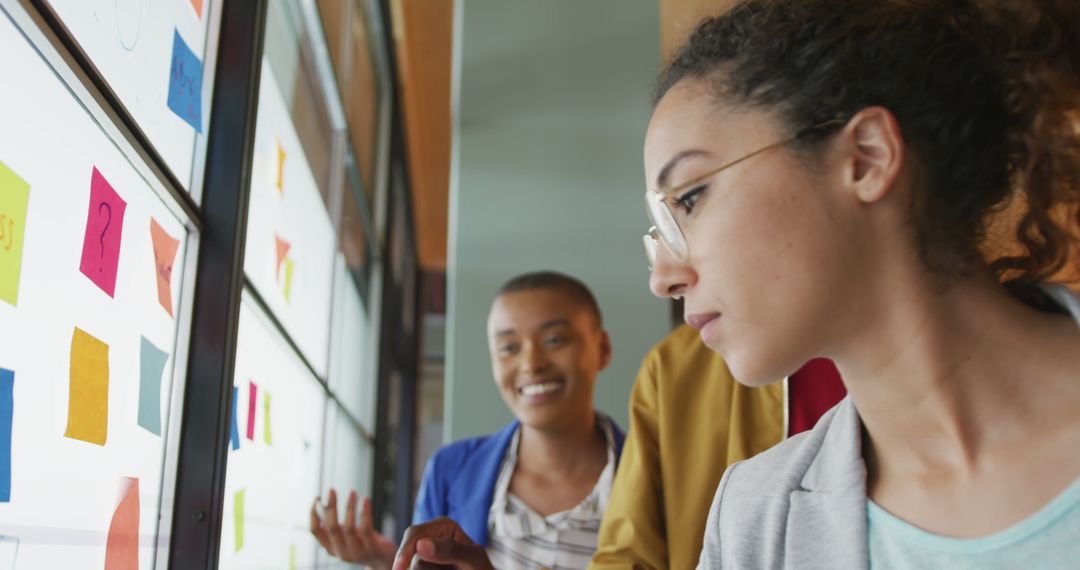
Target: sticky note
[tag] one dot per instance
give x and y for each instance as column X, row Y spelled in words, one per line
column 104, row 225
column 238, row 518
column 253, row 393
column 282, row 251
column 151, row 366
column 266, row 417
column 88, row 397
column 185, row 83
column 14, row 199
column 292, row 557
column 280, row 166
column 289, row 267
column 164, row 254
column 234, row 432
column 197, row 5
column 122, row 544
column 7, row 416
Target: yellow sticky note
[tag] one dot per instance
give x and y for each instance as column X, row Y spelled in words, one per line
column 292, row 557
column 238, row 518
column 14, row 199
column 88, row 396
column 266, row 417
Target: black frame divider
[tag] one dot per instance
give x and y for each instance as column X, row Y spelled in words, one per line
column 199, row 494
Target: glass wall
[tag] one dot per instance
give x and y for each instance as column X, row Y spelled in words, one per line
column 103, row 210
column 95, row 259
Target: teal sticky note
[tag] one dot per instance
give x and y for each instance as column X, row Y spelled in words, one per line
column 151, row 367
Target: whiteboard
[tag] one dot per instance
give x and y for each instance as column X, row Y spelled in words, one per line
column 271, row 482
column 290, row 239
column 132, row 44
column 73, row 467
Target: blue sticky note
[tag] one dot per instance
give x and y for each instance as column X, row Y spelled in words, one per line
column 7, row 414
column 234, row 434
column 151, row 366
column 185, row 83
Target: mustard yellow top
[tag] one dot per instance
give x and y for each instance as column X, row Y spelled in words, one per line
column 689, row 420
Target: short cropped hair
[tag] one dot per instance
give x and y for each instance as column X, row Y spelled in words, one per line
column 554, row 281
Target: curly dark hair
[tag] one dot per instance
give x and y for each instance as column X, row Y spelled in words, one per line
column 987, row 95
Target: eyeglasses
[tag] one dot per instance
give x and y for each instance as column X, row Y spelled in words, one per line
column 665, row 228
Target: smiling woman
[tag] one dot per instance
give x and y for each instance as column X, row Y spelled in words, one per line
column 825, row 173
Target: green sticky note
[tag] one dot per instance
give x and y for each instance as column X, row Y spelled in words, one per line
column 266, row 417
column 289, row 266
column 14, row 199
column 238, row 518
column 292, row 557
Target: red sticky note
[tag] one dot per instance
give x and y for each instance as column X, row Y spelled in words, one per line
column 253, row 392
column 282, row 251
column 122, row 545
column 164, row 254
column 101, row 244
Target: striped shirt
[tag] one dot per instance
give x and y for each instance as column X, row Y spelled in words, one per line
column 522, row 538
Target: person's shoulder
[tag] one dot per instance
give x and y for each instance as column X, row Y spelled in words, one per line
column 780, row 469
column 455, row 454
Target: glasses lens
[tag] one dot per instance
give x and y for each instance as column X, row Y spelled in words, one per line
column 650, row 248
column 665, row 224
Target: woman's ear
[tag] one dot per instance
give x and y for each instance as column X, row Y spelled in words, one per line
column 605, row 349
column 877, row 153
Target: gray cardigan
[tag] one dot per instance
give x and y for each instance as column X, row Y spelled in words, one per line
column 802, row 504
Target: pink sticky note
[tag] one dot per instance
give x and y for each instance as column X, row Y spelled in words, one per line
column 122, row 544
column 164, row 254
column 104, row 224
column 253, row 392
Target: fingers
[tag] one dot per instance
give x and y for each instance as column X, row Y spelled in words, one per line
column 449, row 551
column 333, row 529
column 430, row 533
column 350, row 515
column 317, row 526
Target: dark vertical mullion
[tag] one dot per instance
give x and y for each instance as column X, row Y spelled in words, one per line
column 200, row 480
column 407, row 363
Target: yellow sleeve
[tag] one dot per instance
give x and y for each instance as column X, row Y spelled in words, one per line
column 632, row 534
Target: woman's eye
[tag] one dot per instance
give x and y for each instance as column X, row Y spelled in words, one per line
column 689, row 199
column 508, row 349
column 554, row 341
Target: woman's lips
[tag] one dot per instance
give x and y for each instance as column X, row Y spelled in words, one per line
column 699, row 320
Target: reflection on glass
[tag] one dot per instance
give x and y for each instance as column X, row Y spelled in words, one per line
column 348, row 29
column 290, row 59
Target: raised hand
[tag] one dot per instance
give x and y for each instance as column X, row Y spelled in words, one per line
column 351, row 543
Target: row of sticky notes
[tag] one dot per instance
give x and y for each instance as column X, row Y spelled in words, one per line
column 101, row 240
column 88, row 397
column 253, row 394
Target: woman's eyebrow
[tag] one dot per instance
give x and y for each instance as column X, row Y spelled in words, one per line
column 665, row 172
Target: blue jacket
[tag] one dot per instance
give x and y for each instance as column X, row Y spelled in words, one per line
column 459, row 480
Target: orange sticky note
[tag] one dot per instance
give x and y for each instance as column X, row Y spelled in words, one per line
column 164, row 254
column 122, row 545
column 197, row 4
column 88, row 397
column 282, row 251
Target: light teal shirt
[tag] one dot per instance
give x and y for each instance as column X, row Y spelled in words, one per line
column 1049, row 539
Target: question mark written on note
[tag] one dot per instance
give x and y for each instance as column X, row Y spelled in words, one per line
column 104, row 230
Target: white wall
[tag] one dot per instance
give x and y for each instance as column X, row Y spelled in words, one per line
column 552, row 104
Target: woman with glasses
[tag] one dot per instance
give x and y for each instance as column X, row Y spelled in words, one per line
column 825, row 176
